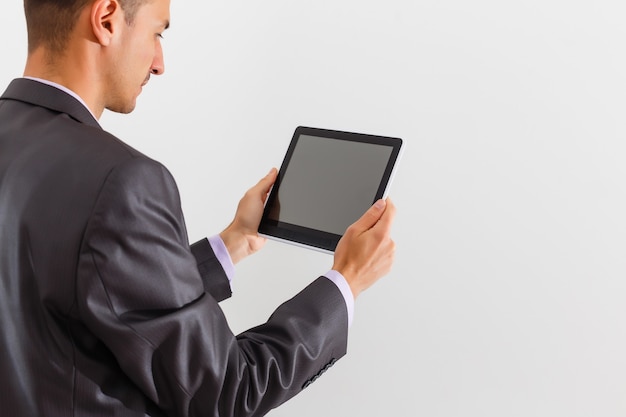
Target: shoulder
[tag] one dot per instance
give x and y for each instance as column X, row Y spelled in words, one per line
column 138, row 176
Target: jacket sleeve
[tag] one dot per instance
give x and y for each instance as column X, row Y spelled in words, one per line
column 140, row 291
column 211, row 271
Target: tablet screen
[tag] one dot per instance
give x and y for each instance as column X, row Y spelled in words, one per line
column 328, row 179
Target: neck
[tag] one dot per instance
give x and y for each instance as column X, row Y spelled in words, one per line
column 73, row 69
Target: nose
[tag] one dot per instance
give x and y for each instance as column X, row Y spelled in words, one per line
column 158, row 64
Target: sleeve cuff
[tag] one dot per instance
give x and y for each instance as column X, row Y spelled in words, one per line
column 222, row 255
column 343, row 286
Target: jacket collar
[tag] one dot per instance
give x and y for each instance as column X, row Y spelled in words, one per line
column 39, row 94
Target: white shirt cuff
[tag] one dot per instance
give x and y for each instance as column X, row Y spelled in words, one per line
column 343, row 286
column 222, row 255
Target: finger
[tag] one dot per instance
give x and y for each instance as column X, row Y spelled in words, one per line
column 371, row 216
column 388, row 216
column 265, row 183
column 273, row 172
column 269, row 179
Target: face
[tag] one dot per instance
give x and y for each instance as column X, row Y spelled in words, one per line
column 136, row 55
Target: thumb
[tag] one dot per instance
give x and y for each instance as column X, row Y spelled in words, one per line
column 267, row 181
column 371, row 216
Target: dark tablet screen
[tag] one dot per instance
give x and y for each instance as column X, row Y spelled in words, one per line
column 328, row 179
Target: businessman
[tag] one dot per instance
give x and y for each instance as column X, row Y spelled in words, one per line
column 105, row 308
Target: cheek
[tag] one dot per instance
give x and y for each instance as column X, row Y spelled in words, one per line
column 142, row 54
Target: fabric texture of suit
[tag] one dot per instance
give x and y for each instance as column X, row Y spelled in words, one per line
column 105, row 309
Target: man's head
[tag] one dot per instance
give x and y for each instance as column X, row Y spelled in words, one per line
column 104, row 50
column 50, row 22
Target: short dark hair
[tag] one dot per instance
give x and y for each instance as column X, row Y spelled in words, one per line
column 50, row 22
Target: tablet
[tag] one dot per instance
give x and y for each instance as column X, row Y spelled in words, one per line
column 327, row 180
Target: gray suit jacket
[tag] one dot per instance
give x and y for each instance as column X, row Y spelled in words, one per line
column 104, row 307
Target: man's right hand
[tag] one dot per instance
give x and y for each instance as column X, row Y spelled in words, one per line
column 365, row 253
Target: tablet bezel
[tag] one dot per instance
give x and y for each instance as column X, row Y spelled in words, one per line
column 311, row 238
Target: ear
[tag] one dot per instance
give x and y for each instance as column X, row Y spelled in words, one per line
column 105, row 17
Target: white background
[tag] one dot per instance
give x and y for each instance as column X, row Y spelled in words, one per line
column 508, row 297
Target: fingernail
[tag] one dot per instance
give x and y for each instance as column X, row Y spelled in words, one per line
column 380, row 204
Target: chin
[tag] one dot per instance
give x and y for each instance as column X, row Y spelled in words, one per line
column 123, row 108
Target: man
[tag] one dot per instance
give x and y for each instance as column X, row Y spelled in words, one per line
column 104, row 307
